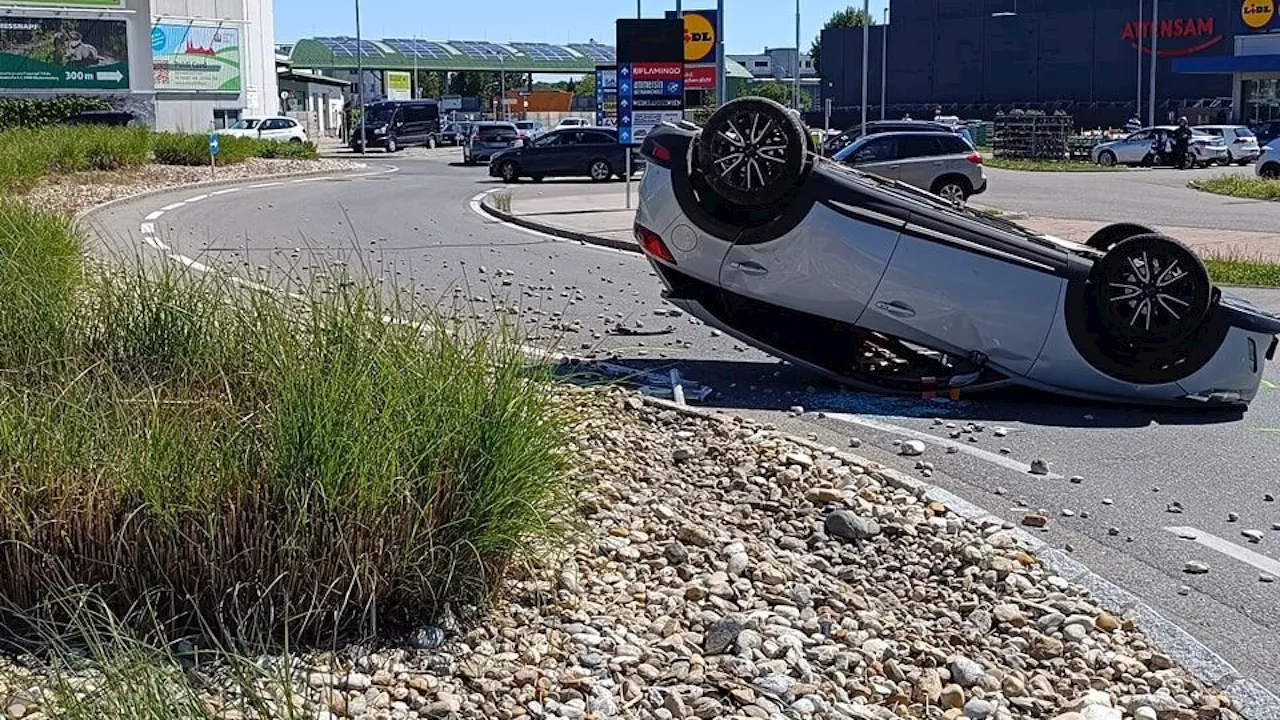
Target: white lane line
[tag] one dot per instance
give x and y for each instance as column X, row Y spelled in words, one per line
column 194, row 265
column 986, row 455
column 474, row 204
column 225, row 192
column 1228, row 548
column 173, row 206
column 154, row 216
column 198, row 198
column 148, row 228
column 266, row 185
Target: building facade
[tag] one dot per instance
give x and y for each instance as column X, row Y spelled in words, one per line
column 776, row 64
column 1089, row 58
column 176, row 64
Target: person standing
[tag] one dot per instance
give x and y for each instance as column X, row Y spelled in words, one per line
column 1181, row 143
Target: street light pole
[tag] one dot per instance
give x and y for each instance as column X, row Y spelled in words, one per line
column 884, row 60
column 502, row 84
column 1155, row 40
column 866, row 54
column 795, row 81
column 1137, row 106
column 364, row 137
column 722, row 91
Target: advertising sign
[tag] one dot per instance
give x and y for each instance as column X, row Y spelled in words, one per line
column 70, row 3
column 1179, row 36
column 700, row 48
column 607, row 95
column 186, row 57
column 1257, row 14
column 650, row 76
column 399, row 85
column 63, row 54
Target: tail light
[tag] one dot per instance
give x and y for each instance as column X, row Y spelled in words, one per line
column 652, row 244
column 975, row 158
column 661, row 153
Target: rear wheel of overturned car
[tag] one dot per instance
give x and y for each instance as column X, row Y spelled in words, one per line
column 1149, row 290
column 752, row 152
column 1106, row 158
column 1107, row 237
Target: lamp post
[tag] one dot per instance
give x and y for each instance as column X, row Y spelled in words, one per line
column 364, row 137
column 502, row 85
column 795, row 80
column 884, row 60
column 866, row 54
column 1155, row 40
column 1137, row 105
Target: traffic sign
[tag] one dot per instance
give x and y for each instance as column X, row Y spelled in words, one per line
column 650, row 76
column 214, row 143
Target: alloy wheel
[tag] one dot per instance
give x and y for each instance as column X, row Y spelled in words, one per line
column 749, row 154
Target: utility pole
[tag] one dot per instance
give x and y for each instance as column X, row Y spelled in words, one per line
column 795, row 81
column 721, row 90
column 413, row 84
column 866, row 54
column 1155, row 40
column 364, row 136
column 884, row 61
column 1137, row 105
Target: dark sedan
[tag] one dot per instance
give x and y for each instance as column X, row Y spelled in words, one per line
column 591, row 152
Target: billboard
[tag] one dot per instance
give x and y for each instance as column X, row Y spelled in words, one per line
column 63, row 54
column 650, row 76
column 189, row 57
column 701, row 48
column 399, row 85
column 607, row 95
column 69, row 3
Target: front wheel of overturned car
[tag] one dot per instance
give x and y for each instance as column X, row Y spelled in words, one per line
column 1149, row 290
column 1107, row 237
column 752, row 152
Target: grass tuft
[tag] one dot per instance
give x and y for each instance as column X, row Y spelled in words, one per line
column 254, row 461
column 1237, row 268
column 1241, row 186
column 1047, row 165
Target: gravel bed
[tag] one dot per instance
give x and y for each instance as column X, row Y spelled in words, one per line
column 72, row 194
column 722, row 571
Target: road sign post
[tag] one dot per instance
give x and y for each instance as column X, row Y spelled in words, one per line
column 650, row 80
column 215, row 144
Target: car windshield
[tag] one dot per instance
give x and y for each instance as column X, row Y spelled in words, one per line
column 526, row 125
column 379, row 114
column 246, row 124
column 1243, row 132
column 497, row 133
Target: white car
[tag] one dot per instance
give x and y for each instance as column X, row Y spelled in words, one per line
column 1242, row 144
column 281, row 129
column 1134, row 149
column 572, row 122
column 1269, row 162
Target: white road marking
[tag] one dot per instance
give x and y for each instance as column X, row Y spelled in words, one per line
column 173, row 206
column 197, row 266
column 225, row 192
column 198, row 198
column 265, row 185
column 148, row 228
column 1003, row 461
column 154, row 216
column 1228, row 548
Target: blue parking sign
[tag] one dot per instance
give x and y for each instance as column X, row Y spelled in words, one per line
column 214, row 143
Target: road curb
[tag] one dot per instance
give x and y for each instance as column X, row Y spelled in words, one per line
column 562, row 233
column 1257, row 703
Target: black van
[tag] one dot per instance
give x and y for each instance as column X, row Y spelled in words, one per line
column 393, row 124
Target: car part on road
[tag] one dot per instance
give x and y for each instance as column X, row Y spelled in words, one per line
column 889, row 288
column 1108, row 236
column 752, row 151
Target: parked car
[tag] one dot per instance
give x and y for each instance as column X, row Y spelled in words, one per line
column 529, row 129
column 118, row 118
column 941, row 162
column 488, row 138
column 1268, row 165
column 1242, row 144
column 572, row 122
column 1266, row 132
column 280, row 129
column 1135, row 148
column 455, row 133
column 592, row 152
column 838, row 141
column 890, row 289
column 393, row 124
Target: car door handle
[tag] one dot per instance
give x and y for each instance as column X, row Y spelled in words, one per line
column 897, row 307
column 750, row 268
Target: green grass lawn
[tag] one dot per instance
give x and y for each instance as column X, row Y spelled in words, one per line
column 1241, row 186
column 1048, row 165
column 1236, row 269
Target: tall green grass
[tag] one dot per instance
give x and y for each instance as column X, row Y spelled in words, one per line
column 1241, row 186
column 259, row 462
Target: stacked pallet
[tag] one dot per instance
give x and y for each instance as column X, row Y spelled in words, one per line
column 1032, row 135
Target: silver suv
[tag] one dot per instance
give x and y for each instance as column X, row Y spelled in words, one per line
column 943, row 163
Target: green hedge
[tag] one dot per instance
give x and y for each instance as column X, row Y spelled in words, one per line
column 33, row 113
column 188, row 149
column 28, row 155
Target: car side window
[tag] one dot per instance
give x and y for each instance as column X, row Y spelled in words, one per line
column 917, row 146
column 1140, row 136
column 550, row 140
column 271, row 125
column 877, row 150
column 597, row 138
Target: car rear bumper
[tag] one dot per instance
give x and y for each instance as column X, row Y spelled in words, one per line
column 981, row 187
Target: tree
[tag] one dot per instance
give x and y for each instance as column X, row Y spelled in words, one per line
column 777, row 91
column 431, row 84
column 846, row 18
column 586, row 87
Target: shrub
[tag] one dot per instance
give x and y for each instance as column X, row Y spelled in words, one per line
column 28, row 155
column 38, row 112
column 274, row 149
column 257, row 461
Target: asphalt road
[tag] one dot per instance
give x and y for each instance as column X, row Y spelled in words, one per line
column 415, row 227
column 1154, row 196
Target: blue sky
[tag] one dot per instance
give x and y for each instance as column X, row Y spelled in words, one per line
column 750, row 25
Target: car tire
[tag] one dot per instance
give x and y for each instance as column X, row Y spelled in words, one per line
column 295, row 140
column 1149, row 291
column 1270, row 171
column 510, row 172
column 431, row 142
column 599, row 170
column 952, row 188
column 392, row 145
column 536, row 178
column 1243, row 162
column 1106, row 158
column 758, row 169
column 1107, row 237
